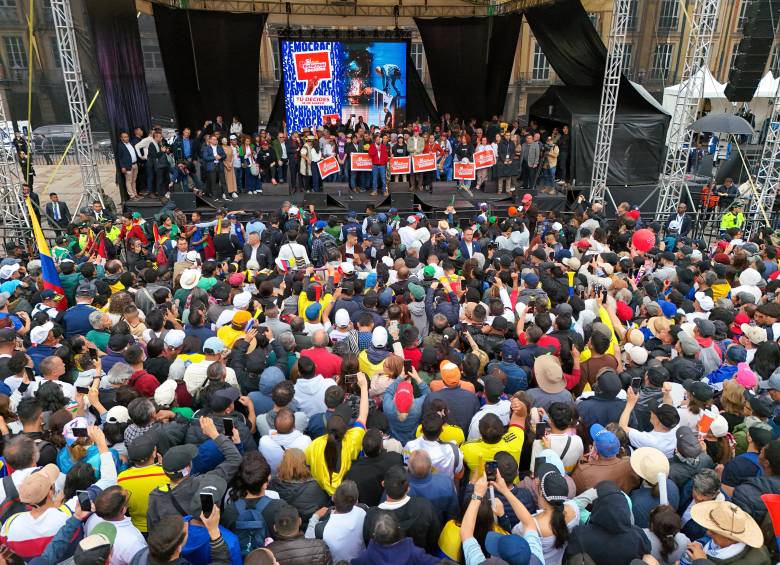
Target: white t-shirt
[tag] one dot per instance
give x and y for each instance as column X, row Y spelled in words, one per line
column 666, row 442
column 295, row 251
column 446, row 457
column 195, row 376
column 67, row 389
column 128, row 542
column 343, row 533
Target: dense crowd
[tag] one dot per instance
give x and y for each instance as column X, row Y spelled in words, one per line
column 376, row 389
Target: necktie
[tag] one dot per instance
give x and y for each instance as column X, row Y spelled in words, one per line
column 56, row 212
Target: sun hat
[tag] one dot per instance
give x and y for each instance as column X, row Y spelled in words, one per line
column 647, row 462
column 549, row 374
column 728, row 520
column 189, row 278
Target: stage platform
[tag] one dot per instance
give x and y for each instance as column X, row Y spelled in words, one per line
column 337, row 199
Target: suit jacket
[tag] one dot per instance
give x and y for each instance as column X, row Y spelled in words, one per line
column 263, row 256
column 207, row 154
column 464, row 251
column 123, row 157
column 65, row 217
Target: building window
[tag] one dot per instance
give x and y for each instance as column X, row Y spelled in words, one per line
column 15, row 53
column 774, row 61
column 662, row 61
column 742, row 16
column 55, row 53
column 628, row 60
column 669, row 15
column 152, row 56
column 541, row 68
column 632, row 17
column 734, row 53
column 595, row 19
column 48, row 17
column 276, row 59
column 8, row 11
column 418, row 58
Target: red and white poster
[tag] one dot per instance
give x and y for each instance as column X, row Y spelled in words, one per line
column 484, row 159
column 424, row 162
column 464, row 171
column 400, row 165
column 328, row 119
column 360, row 162
column 328, row 166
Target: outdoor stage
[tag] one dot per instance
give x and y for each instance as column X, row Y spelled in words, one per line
column 336, row 199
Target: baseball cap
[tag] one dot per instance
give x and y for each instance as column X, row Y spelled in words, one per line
column 404, row 397
column 412, row 219
column 178, row 457
column 320, row 225
column 637, row 353
column 607, row 444
column 509, row 547
column 706, row 327
column 761, row 406
column 736, row 354
column 39, row 334
column 49, row 294
column 86, row 289
column 118, row 415
column 165, row 394
column 223, row 398
column 705, row 302
column 450, row 373
column 142, row 447
column 379, row 337
column 36, row 486
column 174, row 338
column 236, row 279
column 7, row 271
column 342, row 318
column 687, row 442
column 699, row 390
column 509, row 351
column 242, row 299
column 667, row 415
column 213, row 346
column 96, row 547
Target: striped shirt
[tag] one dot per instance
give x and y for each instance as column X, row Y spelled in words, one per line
column 140, row 481
column 27, row 536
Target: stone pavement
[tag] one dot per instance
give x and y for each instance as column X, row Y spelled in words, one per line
column 67, row 184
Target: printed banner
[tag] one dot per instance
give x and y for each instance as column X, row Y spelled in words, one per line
column 360, row 162
column 424, row 162
column 484, row 159
column 464, row 171
column 400, row 165
column 328, row 166
column 329, row 118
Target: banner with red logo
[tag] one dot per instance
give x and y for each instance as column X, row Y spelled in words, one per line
column 328, row 166
column 424, row 162
column 360, row 162
column 328, row 119
column 484, row 159
column 400, row 165
column 312, row 67
column 464, row 171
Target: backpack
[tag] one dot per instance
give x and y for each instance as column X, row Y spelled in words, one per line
column 250, row 527
column 330, row 247
column 11, row 505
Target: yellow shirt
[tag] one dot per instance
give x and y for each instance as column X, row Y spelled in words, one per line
column 448, row 433
column 304, row 302
column 139, row 482
column 368, row 368
column 228, row 335
column 476, row 452
column 315, row 458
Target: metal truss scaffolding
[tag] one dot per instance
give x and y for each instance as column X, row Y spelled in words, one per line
column 672, row 184
column 77, row 100
column 768, row 177
column 609, row 99
column 13, row 210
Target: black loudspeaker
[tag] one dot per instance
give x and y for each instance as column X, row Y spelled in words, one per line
column 399, row 187
column 184, row 200
column 318, row 199
column 747, row 68
column 404, row 201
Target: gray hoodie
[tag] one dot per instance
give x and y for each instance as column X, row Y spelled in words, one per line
column 419, row 317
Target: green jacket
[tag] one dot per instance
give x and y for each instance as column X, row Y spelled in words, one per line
column 69, row 284
column 750, row 556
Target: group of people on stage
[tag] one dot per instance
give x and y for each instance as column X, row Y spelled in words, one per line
column 219, row 160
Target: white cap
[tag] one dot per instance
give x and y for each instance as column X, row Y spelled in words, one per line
column 293, row 211
column 165, row 393
column 379, row 337
column 174, row 338
column 557, row 226
column 192, row 256
column 347, row 267
column 117, row 415
column 7, row 271
column 719, row 426
column 39, row 333
column 705, row 302
column 636, row 353
column 412, row 219
column 342, row 318
column 242, row 300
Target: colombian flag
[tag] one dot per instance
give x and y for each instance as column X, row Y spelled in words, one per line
column 51, row 279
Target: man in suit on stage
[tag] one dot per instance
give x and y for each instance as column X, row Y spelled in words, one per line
column 58, row 214
column 213, row 157
column 127, row 159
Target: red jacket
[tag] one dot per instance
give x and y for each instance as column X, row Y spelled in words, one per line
column 144, row 383
column 378, row 156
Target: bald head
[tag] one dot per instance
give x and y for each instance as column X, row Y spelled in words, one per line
column 319, row 338
column 419, row 464
column 284, row 421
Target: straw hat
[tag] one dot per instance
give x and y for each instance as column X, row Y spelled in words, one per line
column 658, row 324
column 549, row 375
column 189, row 278
column 729, row 520
column 647, row 462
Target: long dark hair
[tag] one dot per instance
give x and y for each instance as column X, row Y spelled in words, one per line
column 558, row 523
column 665, row 523
column 337, row 427
column 766, row 359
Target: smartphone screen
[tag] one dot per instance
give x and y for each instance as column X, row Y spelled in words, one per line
column 350, row 378
column 79, row 432
column 82, row 389
column 636, row 382
column 93, row 353
column 541, row 430
column 407, row 366
column 539, row 461
column 228, row 425
column 207, row 503
column 84, row 501
column 491, row 470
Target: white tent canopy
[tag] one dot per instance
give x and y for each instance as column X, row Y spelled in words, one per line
column 767, row 88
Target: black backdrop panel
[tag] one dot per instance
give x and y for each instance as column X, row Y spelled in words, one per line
column 117, row 45
column 222, row 75
column 470, row 61
column 418, row 103
column 569, row 41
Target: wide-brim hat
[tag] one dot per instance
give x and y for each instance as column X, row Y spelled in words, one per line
column 189, row 278
column 729, row 520
column 549, row 374
column 647, row 462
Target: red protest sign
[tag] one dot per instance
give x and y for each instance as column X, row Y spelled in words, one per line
column 328, row 119
column 463, row 171
column 312, row 67
column 424, row 162
column 400, row 165
column 360, row 162
column 328, row 166
column 484, row 159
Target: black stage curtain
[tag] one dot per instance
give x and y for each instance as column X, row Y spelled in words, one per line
column 569, row 41
column 117, row 45
column 277, row 112
column 470, row 61
column 418, row 104
column 222, row 75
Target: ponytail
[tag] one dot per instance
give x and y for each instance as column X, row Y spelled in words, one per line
column 332, row 454
column 558, row 523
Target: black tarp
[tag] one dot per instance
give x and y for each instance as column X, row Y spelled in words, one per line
column 638, row 150
column 222, row 75
column 470, row 62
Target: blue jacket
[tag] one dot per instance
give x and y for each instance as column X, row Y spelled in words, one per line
column 724, row 373
column 403, row 431
column 440, row 490
column 123, row 157
column 38, row 354
column 197, row 550
column 643, row 501
column 464, row 251
column 207, row 155
column 516, row 378
column 76, row 320
column 600, row 410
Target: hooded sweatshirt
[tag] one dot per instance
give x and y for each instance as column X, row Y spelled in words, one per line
column 261, row 398
column 419, row 317
column 609, row 538
column 310, row 394
column 197, row 549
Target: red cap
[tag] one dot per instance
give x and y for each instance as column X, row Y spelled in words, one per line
column 236, row 279
column 739, row 319
column 633, row 214
column 404, row 397
column 583, row 244
column 548, row 341
column 527, row 197
column 722, row 258
column 723, row 244
column 624, row 311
